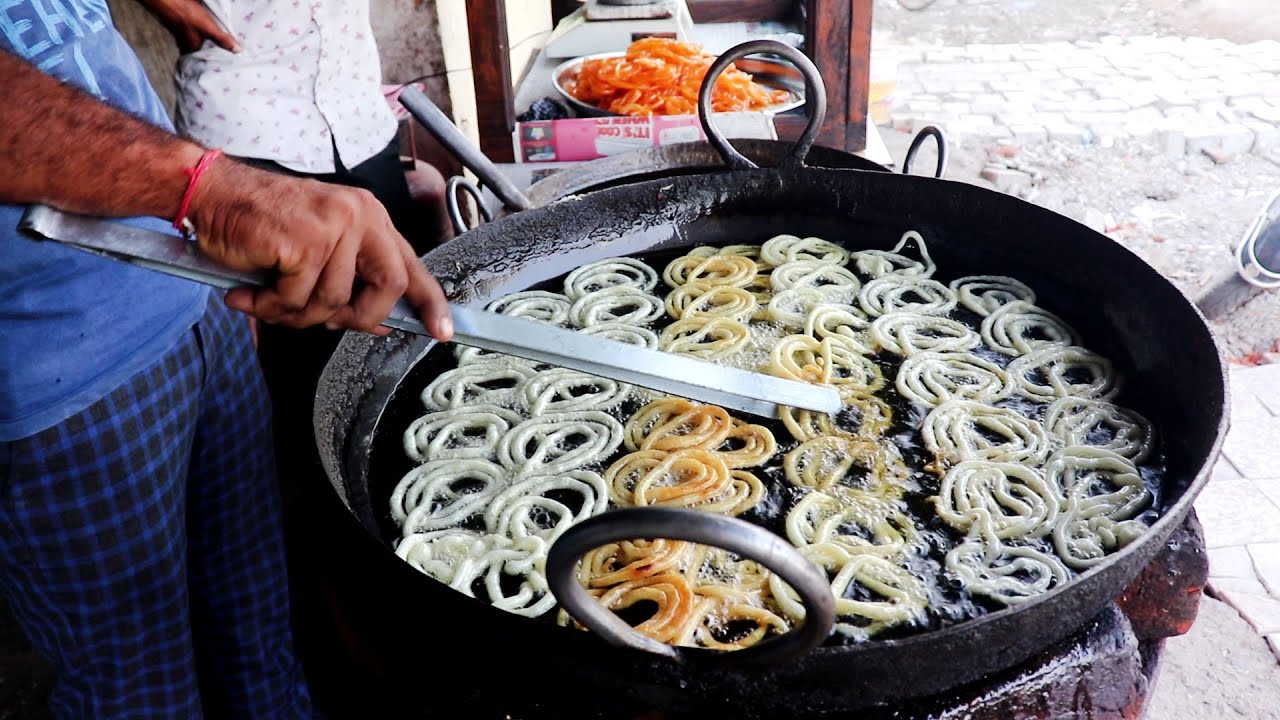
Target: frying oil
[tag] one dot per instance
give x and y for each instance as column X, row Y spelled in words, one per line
column 948, row 602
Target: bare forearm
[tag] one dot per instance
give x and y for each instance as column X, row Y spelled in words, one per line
column 62, row 147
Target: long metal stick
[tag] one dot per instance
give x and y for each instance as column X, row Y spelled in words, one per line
column 439, row 125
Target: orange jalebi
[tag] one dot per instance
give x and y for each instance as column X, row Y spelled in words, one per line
column 659, row 76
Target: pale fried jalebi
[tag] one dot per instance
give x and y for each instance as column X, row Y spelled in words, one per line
column 878, row 263
column 959, row 430
column 445, row 493
column 1080, row 421
column 1008, row 574
column 698, row 300
column 705, row 337
column 932, row 378
column 472, row 432
column 822, row 462
column 782, row 249
column 614, row 272
column 872, row 418
column 1016, row 501
column 660, row 76
column 826, row 362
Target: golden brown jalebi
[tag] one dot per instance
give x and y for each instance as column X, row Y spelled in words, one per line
column 616, row 563
column 826, row 362
column 728, row 270
column 660, row 76
column 691, row 478
column 872, row 419
column 674, row 424
column 669, row 592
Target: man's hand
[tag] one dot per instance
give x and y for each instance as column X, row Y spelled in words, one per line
column 321, row 240
column 191, row 24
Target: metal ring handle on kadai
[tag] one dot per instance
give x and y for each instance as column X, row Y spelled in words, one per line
column 943, row 153
column 443, row 129
column 815, row 101
column 721, row 531
column 453, row 202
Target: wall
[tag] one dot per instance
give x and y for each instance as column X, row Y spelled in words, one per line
column 153, row 44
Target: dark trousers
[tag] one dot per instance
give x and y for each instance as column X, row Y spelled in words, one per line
column 140, row 543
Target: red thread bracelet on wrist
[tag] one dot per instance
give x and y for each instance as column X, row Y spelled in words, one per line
column 180, row 222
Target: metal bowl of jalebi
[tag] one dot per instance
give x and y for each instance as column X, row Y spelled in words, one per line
column 773, row 76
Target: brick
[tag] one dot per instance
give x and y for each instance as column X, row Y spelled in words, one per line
column 1237, row 139
column 1050, row 118
column 1171, row 141
column 1009, row 119
column 1021, row 97
column 1220, row 586
column 1145, row 116
column 989, row 105
column 1029, row 134
column 1203, row 92
column 987, row 132
column 1264, row 111
column 922, row 106
column 1273, row 641
column 1096, row 118
column 1068, row 133
column 976, row 119
column 1266, row 562
column 1231, row 562
column 1263, row 613
column 1141, row 99
column 1174, row 97
column 1248, row 385
column 1218, row 155
column 1236, row 512
column 1254, row 448
column 1223, row 470
column 1234, row 139
column 1041, row 64
column 1262, row 383
column 1109, row 105
column 1106, row 134
column 1219, row 109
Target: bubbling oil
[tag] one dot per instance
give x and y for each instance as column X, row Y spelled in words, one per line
column 948, row 602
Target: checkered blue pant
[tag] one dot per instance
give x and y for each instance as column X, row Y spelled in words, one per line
column 141, row 546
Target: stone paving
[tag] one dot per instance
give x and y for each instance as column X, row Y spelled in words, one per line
column 1240, row 507
column 1188, row 94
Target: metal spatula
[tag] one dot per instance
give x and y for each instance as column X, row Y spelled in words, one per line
column 678, row 375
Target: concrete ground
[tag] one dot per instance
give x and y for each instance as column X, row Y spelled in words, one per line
column 1216, row 671
column 1030, row 92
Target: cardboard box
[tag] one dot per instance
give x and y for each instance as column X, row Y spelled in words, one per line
column 582, row 139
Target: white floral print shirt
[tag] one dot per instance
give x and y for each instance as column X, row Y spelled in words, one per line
column 307, row 80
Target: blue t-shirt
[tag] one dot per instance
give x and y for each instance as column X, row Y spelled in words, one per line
column 74, row 326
